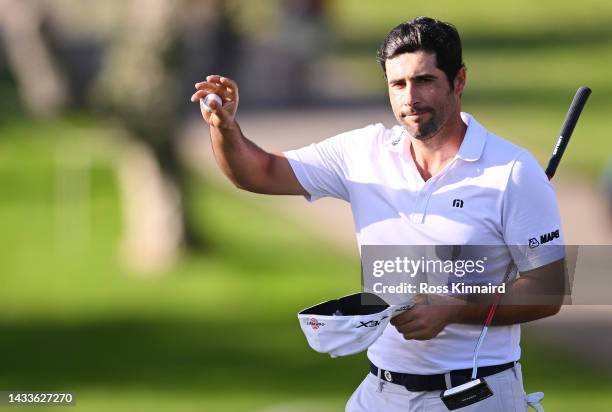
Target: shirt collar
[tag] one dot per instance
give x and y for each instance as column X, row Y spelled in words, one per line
column 473, row 141
column 396, row 140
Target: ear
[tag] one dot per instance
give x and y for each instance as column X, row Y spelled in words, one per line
column 460, row 79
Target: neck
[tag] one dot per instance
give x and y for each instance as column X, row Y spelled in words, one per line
column 433, row 154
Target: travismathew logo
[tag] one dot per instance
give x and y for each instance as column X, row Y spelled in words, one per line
column 545, row 238
column 371, row 323
column 314, row 323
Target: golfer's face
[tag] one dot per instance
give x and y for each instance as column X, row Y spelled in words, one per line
column 420, row 95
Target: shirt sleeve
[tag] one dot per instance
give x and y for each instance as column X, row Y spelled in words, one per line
column 530, row 216
column 321, row 168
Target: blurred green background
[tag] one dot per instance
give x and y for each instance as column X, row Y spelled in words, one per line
column 217, row 331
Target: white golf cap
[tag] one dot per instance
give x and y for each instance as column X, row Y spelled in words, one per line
column 347, row 325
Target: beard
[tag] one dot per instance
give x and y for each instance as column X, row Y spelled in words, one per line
column 425, row 130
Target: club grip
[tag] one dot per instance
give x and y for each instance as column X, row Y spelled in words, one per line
column 580, row 99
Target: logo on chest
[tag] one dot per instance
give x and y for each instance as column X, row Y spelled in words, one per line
column 458, row 203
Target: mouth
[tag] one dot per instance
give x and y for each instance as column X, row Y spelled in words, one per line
column 414, row 114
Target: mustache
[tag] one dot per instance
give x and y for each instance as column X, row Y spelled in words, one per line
column 415, row 110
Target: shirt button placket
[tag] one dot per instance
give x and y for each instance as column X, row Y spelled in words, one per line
column 420, row 207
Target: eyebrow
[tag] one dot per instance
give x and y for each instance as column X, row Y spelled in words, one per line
column 427, row 76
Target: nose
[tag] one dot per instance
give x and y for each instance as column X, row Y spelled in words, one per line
column 410, row 96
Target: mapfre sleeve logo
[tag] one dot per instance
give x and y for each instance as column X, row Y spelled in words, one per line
column 545, row 238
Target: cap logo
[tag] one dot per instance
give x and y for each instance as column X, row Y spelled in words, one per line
column 371, row 323
column 314, row 323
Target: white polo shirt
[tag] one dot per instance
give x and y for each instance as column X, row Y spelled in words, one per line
column 505, row 199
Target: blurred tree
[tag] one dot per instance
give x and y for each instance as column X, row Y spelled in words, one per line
column 42, row 88
column 139, row 85
column 135, row 62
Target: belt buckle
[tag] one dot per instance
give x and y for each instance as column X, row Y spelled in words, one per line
column 388, row 376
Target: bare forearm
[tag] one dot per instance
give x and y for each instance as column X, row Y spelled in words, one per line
column 241, row 160
column 534, row 295
column 505, row 314
column 425, row 321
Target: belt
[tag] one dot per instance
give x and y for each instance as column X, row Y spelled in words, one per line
column 421, row 383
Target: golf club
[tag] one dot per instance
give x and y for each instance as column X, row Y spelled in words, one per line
column 477, row 389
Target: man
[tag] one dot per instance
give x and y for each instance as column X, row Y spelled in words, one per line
column 405, row 186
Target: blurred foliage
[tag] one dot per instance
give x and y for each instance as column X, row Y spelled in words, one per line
column 256, row 20
column 520, row 19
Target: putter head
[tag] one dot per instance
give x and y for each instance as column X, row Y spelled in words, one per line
column 466, row 394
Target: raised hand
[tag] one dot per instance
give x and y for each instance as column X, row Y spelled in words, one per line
column 221, row 117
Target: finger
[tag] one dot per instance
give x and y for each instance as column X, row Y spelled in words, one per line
column 229, row 83
column 213, row 105
column 204, row 111
column 407, row 316
column 214, row 78
column 225, row 93
column 416, row 335
column 411, row 325
column 209, row 87
column 411, row 329
column 201, row 94
column 225, row 83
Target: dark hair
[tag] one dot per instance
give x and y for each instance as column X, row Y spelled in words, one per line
column 427, row 34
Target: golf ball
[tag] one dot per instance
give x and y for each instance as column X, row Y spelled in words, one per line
column 210, row 97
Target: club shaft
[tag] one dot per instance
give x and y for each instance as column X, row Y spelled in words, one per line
column 571, row 118
column 573, row 113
